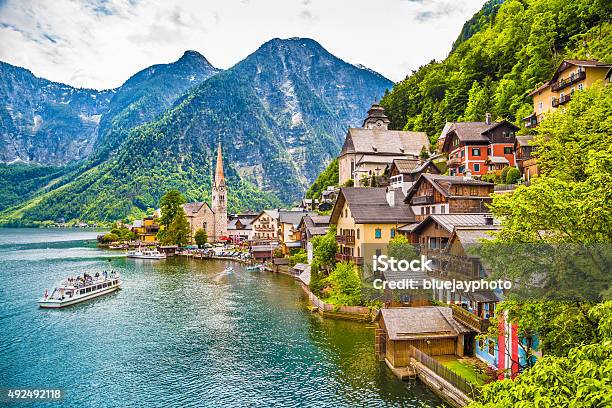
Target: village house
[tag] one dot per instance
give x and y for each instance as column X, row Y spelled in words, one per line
column 240, row 227
column 571, row 76
column 366, row 220
column 265, row 226
column 404, row 173
column 439, row 194
column 479, row 147
column 288, row 231
column 368, row 150
column 212, row 219
column 146, row 229
column 311, row 226
column 526, row 164
column 309, row 204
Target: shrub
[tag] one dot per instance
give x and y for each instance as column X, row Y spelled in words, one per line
column 299, row 257
column 513, row 176
column 345, row 284
column 504, row 174
column 200, row 237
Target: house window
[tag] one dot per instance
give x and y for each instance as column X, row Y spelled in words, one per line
column 507, row 150
column 433, row 210
column 377, row 233
column 476, row 167
column 505, row 133
column 540, row 107
column 357, row 233
column 476, row 151
column 422, row 211
column 463, row 153
column 392, row 232
column 581, row 87
column 442, row 209
column 427, row 210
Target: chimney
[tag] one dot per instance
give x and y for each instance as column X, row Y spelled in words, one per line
column 391, row 196
column 488, row 219
column 488, row 118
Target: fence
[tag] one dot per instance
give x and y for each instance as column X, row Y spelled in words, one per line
column 455, row 380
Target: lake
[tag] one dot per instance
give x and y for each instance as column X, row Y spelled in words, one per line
column 179, row 334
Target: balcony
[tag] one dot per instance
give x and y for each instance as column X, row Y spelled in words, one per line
column 470, row 319
column 426, row 199
column 348, row 258
column 345, row 239
column 565, row 82
column 561, row 100
column 454, row 162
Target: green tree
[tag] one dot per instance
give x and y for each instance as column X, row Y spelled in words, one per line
column 328, row 177
column 513, row 175
column 316, row 278
column 401, row 248
column 480, row 101
column 504, row 174
column 299, row 257
column 171, row 205
column 344, row 284
column 324, row 248
column 174, row 224
column 200, row 237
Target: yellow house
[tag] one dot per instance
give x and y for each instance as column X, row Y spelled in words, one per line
column 366, row 220
column 571, row 76
column 146, row 229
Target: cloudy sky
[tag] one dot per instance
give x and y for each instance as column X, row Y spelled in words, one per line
column 100, row 43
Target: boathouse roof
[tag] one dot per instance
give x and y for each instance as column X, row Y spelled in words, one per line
column 428, row 322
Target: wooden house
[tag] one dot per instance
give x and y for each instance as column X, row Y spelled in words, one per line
column 431, row 329
column 438, row 194
column 403, row 173
column 473, row 147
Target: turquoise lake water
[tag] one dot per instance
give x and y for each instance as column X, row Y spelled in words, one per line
column 179, row 334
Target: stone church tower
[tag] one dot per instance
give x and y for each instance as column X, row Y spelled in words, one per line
column 376, row 118
column 219, row 199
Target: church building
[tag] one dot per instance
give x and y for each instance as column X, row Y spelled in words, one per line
column 212, row 219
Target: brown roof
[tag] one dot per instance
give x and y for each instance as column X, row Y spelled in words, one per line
column 316, row 224
column 473, row 131
column 409, row 323
column 410, row 166
column 443, row 183
column 384, row 142
column 567, row 64
column 194, row 208
column 369, row 206
column 451, row 221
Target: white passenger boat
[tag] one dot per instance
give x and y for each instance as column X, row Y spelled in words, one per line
column 79, row 289
column 229, row 270
column 146, row 253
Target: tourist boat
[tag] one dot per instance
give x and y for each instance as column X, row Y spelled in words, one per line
column 77, row 290
column 228, row 270
column 146, row 254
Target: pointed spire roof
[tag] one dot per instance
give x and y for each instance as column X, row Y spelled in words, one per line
column 219, row 177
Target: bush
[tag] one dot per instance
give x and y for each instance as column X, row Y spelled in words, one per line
column 200, row 237
column 504, row 174
column 345, row 285
column 110, row 237
column 513, row 176
column 299, row 257
column 278, row 253
column 316, row 278
column 349, row 183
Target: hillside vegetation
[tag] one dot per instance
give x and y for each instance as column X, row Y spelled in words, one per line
column 495, row 68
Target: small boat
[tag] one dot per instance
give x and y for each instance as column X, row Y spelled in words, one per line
column 146, row 254
column 229, row 270
column 254, row 268
column 76, row 290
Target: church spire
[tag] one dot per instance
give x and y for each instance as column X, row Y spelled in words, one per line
column 219, row 177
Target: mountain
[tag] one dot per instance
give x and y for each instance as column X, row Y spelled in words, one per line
column 44, row 121
column 281, row 115
column 147, row 94
column 51, row 123
column 503, row 53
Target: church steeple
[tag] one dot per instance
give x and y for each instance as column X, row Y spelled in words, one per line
column 219, row 177
column 219, row 198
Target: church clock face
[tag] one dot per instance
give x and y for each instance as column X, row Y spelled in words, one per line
column 379, row 123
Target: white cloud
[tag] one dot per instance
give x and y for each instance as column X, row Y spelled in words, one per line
column 100, row 43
